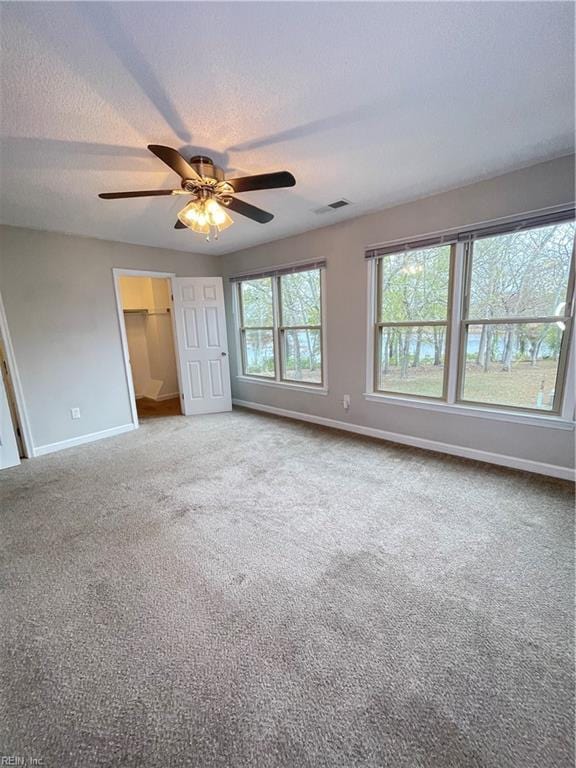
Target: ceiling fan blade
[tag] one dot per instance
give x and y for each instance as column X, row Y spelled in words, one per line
column 263, row 181
column 179, row 225
column 142, row 193
column 245, row 209
column 175, row 161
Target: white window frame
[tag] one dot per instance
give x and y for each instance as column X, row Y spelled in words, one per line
column 269, row 328
column 447, row 324
column 568, row 318
column 320, row 388
column 564, row 419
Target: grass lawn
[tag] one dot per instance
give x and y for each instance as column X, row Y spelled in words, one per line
column 520, row 386
column 305, row 376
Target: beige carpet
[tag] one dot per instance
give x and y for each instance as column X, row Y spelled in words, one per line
column 247, row 592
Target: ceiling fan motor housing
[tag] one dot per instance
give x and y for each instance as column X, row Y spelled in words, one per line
column 204, row 166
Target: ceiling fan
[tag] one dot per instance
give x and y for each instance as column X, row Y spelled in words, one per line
column 212, row 194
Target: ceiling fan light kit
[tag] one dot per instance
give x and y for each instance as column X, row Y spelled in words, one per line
column 211, row 193
column 205, row 216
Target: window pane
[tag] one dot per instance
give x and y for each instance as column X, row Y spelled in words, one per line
column 414, row 285
column 300, row 293
column 257, row 302
column 522, row 273
column 411, row 360
column 259, row 353
column 512, row 364
column 302, row 356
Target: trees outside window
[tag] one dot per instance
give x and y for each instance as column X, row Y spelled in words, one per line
column 513, row 319
column 413, row 315
column 281, row 326
column 257, row 327
column 301, row 326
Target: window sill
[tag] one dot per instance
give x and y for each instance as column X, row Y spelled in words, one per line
column 535, row 420
column 308, row 388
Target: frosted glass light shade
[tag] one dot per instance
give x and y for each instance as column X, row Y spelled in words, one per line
column 202, row 215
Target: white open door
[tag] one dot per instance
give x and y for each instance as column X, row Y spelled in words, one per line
column 200, row 321
column 9, row 454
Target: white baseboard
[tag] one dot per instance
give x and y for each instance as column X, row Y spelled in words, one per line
column 513, row 462
column 41, row 450
column 169, row 396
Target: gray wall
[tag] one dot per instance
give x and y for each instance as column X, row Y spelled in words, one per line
column 58, row 294
column 530, row 189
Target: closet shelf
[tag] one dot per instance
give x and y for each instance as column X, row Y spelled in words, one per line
column 147, row 311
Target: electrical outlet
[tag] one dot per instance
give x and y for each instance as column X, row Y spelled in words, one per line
column 346, row 402
column 75, row 413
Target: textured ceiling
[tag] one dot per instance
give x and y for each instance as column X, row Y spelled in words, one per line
column 375, row 102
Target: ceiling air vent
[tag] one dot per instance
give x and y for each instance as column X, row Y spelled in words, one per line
column 333, row 206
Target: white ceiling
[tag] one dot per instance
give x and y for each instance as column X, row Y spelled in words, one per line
column 375, row 102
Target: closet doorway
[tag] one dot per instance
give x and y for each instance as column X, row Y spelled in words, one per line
column 147, row 312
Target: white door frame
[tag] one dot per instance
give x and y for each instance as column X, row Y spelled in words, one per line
column 117, row 273
column 27, row 440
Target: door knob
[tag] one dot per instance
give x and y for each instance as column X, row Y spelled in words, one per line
column 223, row 354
